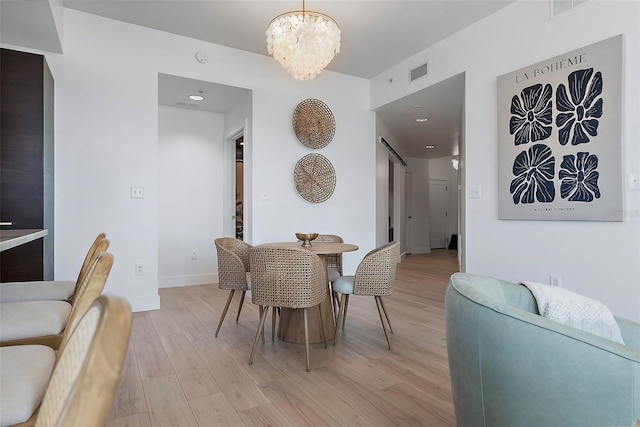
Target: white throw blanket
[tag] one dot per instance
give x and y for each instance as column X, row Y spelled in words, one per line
column 578, row 311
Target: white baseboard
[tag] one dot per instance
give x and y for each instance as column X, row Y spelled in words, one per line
column 195, row 279
column 144, row 303
column 416, row 251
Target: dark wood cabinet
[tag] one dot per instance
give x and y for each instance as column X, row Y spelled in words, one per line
column 26, row 162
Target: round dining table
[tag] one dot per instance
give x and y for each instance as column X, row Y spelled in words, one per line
column 291, row 326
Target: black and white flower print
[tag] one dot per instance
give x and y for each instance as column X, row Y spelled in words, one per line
column 579, row 177
column 531, row 118
column 579, row 106
column 534, row 170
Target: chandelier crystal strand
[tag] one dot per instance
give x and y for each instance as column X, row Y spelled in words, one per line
column 303, row 42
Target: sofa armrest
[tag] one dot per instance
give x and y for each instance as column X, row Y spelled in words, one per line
column 511, row 367
column 630, row 332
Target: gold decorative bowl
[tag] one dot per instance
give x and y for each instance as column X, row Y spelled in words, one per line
column 306, row 238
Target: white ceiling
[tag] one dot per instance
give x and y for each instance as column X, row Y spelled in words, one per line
column 218, row 98
column 376, row 35
column 441, row 104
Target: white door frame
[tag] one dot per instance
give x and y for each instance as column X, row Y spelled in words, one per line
column 408, row 211
column 229, row 177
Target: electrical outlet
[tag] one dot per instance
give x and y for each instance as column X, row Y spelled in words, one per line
column 194, row 255
column 139, row 269
column 555, row 280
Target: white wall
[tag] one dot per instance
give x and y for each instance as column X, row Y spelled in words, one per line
column 107, row 141
column 350, row 212
column 190, row 194
column 598, row 259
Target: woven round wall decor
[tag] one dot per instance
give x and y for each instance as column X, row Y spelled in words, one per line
column 313, row 123
column 315, row 178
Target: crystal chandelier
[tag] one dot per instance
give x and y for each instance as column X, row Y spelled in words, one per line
column 303, row 42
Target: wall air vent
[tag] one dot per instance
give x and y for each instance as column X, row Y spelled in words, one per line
column 187, row 104
column 418, row 72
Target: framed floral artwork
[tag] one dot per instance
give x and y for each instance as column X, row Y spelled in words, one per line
column 559, row 137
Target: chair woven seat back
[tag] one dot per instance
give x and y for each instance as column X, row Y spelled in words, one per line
column 292, row 278
column 87, row 373
column 377, row 271
column 233, row 268
column 99, row 245
column 333, row 260
column 90, row 289
column 233, row 263
column 375, row 276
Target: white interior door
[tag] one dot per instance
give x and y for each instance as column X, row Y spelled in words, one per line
column 438, row 213
column 409, row 229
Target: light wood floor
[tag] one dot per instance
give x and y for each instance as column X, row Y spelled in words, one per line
column 177, row 374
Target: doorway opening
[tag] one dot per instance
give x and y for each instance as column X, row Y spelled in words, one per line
column 391, row 199
column 196, row 175
column 239, row 186
column 428, row 129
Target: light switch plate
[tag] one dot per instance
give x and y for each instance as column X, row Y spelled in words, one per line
column 475, row 192
column 137, row 192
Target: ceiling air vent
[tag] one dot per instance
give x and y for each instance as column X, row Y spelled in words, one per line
column 418, row 72
column 561, row 6
column 187, row 104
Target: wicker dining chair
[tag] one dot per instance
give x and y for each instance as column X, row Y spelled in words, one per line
column 47, row 322
column 53, row 290
column 233, row 271
column 374, row 277
column 334, row 266
column 287, row 278
column 334, row 261
column 75, row 387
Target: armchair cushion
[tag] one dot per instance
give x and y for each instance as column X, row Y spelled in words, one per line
column 344, row 285
column 58, row 290
column 333, row 274
column 25, row 371
column 33, row 319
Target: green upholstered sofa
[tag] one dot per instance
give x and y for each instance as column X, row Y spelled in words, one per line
column 512, row 367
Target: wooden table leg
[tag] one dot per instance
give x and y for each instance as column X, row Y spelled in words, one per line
column 291, row 327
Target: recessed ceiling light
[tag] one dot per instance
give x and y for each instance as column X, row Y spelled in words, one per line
column 421, row 119
column 429, row 147
column 416, row 106
column 196, row 97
